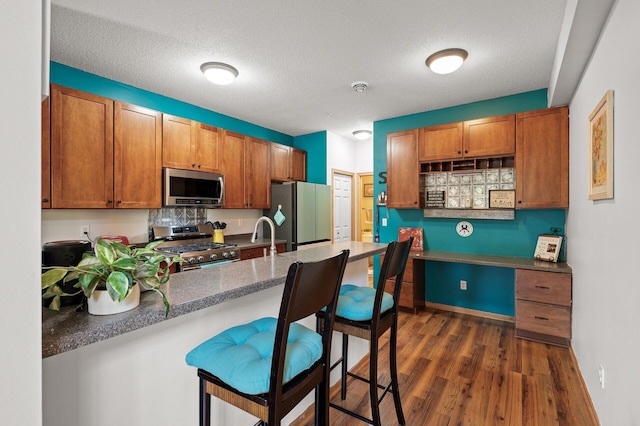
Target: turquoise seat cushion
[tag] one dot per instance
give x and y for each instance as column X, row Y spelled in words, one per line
column 356, row 303
column 241, row 356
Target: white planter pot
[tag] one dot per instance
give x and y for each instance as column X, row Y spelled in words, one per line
column 100, row 302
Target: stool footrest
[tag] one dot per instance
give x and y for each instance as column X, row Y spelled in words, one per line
column 351, row 413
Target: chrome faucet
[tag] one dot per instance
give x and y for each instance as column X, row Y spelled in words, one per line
column 273, row 233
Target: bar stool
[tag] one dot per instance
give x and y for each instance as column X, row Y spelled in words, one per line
column 246, row 365
column 368, row 313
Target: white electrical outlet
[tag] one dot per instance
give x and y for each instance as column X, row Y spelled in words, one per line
column 463, row 285
column 84, row 231
column 384, row 221
column 601, row 376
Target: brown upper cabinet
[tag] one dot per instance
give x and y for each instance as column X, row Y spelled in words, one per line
column 288, row 163
column 484, row 137
column 101, row 162
column 542, row 159
column 245, row 165
column 189, row 145
column 46, row 154
column 403, row 170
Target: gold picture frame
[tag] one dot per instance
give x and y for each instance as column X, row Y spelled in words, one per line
column 367, row 189
column 601, row 149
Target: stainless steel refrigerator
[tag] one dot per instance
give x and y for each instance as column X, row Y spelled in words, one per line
column 307, row 211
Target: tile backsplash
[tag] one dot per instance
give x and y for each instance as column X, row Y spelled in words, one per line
column 467, row 190
column 177, row 216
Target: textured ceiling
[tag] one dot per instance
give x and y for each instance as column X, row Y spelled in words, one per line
column 298, row 58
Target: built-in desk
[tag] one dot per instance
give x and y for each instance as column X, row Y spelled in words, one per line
column 542, row 291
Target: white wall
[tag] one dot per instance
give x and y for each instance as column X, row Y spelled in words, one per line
column 20, row 316
column 341, row 155
column 603, row 235
column 364, row 156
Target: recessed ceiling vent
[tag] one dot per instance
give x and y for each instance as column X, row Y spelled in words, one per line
column 360, row 86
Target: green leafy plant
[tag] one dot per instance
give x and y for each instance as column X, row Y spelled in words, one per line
column 113, row 267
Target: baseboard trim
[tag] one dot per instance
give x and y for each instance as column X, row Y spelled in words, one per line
column 468, row 311
column 592, row 409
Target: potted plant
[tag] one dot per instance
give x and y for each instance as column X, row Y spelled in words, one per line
column 116, row 269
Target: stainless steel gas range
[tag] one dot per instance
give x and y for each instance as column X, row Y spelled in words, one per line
column 194, row 243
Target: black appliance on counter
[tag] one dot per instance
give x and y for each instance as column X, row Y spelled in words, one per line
column 65, row 253
column 194, row 243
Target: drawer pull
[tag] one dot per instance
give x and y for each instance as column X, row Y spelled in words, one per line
column 544, row 287
column 541, row 318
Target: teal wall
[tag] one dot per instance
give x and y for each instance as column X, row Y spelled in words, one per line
column 316, row 146
column 489, row 288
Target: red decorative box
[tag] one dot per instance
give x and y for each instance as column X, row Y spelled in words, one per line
column 416, row 233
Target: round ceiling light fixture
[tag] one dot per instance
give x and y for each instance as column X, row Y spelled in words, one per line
column 362, row 134
column 359, row 86
column 219, row 73
column 446, row 61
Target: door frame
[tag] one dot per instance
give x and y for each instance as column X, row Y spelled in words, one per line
column 335, row 172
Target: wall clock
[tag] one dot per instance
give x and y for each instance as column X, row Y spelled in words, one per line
column 464, row 228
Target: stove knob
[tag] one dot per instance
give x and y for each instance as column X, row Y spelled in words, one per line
column 213, row 257
column 200, row 259
column 232, row 253
column 191, row 260
column 225, row 254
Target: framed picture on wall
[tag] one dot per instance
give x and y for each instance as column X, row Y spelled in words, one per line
column 601, row 149
column 367, row 189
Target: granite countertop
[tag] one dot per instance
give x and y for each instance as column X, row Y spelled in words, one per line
column 187, row 292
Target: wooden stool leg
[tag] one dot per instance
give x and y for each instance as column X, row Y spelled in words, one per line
column 205, row 404
column 345, row 351
column 394, row 372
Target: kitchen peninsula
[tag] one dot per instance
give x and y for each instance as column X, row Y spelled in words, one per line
column 140, row 355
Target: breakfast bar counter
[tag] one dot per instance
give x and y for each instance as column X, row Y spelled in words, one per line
column 139, row 354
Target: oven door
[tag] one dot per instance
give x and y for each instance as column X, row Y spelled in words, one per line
column 189, row 267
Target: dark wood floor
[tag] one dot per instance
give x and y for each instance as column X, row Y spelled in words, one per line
column 457, row 369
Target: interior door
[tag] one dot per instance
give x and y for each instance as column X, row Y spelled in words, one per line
column 341, row 207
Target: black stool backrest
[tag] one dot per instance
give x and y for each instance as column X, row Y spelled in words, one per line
column 309, row 287
column 395, row 261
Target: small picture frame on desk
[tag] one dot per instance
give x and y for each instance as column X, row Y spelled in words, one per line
column 548, row 248
column 502, row 199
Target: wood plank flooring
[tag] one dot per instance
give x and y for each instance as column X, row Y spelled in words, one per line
column 457, row 369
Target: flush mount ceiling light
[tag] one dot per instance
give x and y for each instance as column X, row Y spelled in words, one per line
column 446, row 61
column 219, row 73
column 362, row 134
column 359, row 86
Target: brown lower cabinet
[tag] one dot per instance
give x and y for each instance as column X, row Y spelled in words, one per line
column 411, row 296
column 543, row 306
column 252, row 253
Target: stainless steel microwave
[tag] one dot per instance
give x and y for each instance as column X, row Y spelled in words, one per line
column 184, row 188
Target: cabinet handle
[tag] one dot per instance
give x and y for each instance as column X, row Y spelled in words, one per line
column 466, row 151
column 45, row 200
column 544, row 287
column 199, row 165
column 541, row 318
column 109, row 201
column 519, row 201
column 193, row 164
column 459, row 152
column 119, row 201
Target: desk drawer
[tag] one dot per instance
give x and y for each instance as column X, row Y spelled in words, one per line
column 545, row 287
column 542, row 318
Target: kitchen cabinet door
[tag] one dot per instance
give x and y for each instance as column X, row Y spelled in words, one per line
column 298, row 160
column 232, row 163
column 207, row 148
column 137, row 157
column 403, row 170
column 178, row 142
column 443, row 142
column 46, row 154
column 542, row 159
column 258, row 173
column 492, row 136
column 81, row 149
